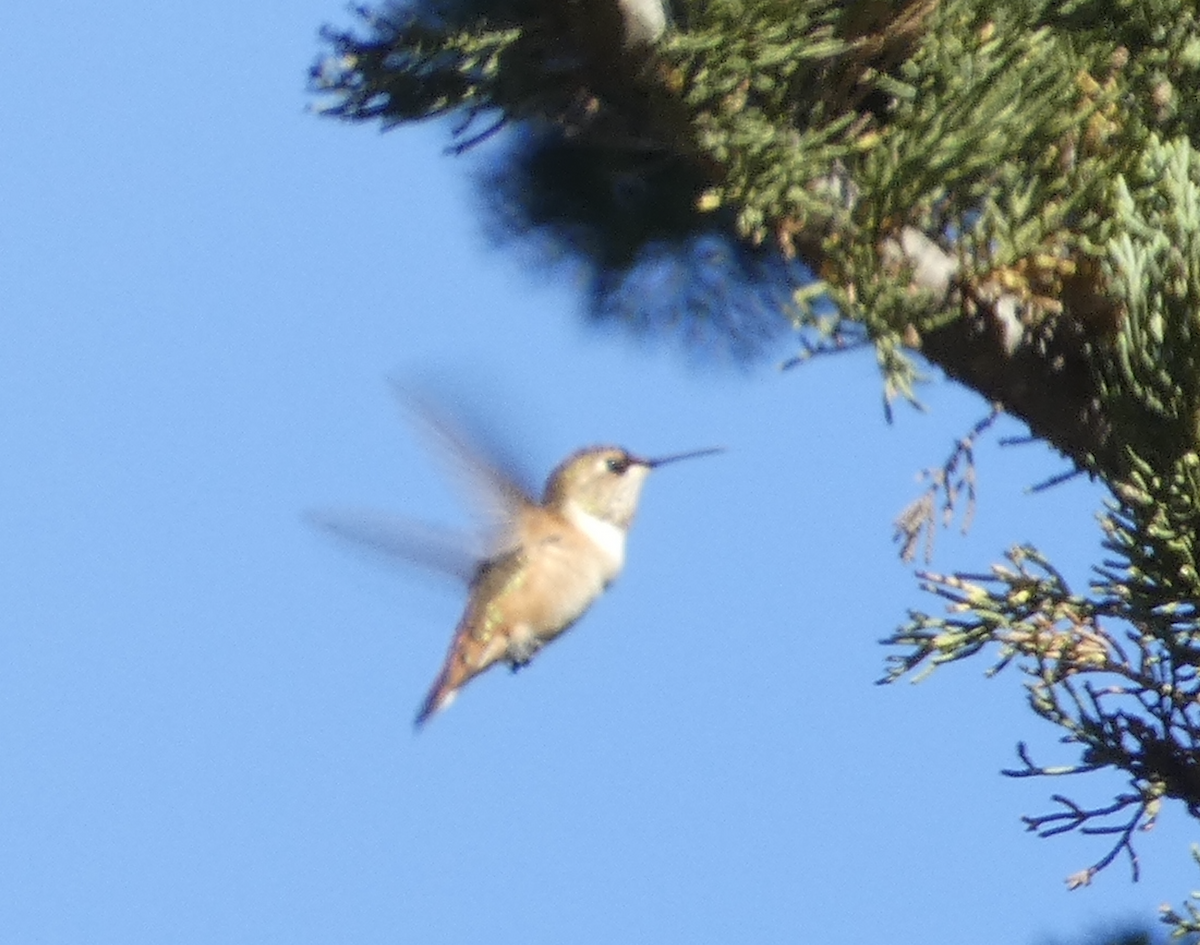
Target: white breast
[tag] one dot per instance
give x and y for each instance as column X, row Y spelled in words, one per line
column 606, row 536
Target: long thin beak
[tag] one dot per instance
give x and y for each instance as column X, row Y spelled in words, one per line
column 694, row 454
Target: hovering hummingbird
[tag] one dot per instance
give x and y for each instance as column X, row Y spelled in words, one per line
column 546, row 562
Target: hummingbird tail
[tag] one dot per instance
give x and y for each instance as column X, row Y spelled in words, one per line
column 442, row 692
column 440, row 696
column 466, row 660
column 433, row 704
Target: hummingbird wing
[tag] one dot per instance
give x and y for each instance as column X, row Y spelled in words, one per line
column 442, row 550
column 493, row 484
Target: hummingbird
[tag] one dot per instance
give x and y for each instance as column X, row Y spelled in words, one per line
column 545, row 561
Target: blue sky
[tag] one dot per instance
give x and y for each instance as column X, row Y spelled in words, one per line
column 205, row 706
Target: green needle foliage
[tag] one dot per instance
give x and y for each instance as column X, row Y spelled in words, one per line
column 1009, row 191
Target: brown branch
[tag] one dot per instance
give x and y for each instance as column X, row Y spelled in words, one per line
column 1041, row 373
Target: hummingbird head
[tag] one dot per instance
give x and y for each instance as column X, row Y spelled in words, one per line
column 605, row 481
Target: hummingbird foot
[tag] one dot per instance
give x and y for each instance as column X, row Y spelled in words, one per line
column 521, row 650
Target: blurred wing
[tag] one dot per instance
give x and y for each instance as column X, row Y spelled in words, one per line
column 492, row 483
column 442, row 550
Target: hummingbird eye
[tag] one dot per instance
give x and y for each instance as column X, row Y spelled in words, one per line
column 618, row 464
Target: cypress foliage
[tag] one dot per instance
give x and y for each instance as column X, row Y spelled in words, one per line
column 1008, row 191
